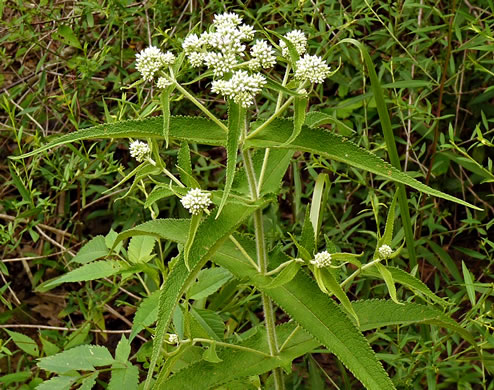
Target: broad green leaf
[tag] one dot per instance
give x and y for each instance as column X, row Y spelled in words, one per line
column 89, row 382
column 195, row 221
column 236, row 125
column 317, row 204
column 210, row 354
column 317, row 118
column 26, row 343
column 302, row 300
column 124, row 378
column 208, row 282
column 376, row 313
column 285, row 275
column 122, row 352
column 328, row 284
column 58, row 383
column 299, row 108
column 332, row 146
column 236, row 364
column 146, row 314
column 210, row 322
column 276, row 167
column 165, row 109
column 158, row 192
column 68, row 36
column 140, row 248
column 91, row 271
column 83, row 357
column 94, row 249
column 407, row 280
column 388, row 279
column 468, row 283
column 210, row 235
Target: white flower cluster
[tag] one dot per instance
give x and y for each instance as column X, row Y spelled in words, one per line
column 312, row 68
column 298, row 39
column 173, row 338
column 139, row 150
column 322, row 259
column 241, row 87
column 163, row 82
column 196, row 200
column 262, row 56
column 385, row 251
column 151, row 60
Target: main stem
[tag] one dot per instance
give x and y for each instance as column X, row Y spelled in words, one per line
column 262, row 260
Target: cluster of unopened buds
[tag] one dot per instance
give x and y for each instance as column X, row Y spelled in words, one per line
column 385, row 251
column 236, row 68
column 322, row 259
column 196, row 201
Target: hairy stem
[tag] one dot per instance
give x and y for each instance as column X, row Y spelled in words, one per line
column 262, row 260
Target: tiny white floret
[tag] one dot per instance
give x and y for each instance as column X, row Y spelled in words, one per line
column 151, row 60
column 163, row 82
column 139, row 150
column 322, row 259
column 385, row 251
column 262, row 56
column 196, row 200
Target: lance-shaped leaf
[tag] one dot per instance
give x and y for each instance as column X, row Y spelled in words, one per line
column 165, row 108
column 210, row 235
column 299, row 108
column 236, row 363
column 236, row 124
column 325, row 143
column 302, row 300
column 317, row 204
column 195, row 220
column 388, row 279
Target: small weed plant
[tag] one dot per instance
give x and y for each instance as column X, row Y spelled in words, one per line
column 200, row 271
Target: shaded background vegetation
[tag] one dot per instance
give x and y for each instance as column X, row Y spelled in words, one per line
column 67, row 65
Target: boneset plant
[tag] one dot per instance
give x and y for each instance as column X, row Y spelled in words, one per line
column 239, row 61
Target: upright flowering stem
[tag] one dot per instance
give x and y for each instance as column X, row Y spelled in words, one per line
column 262, row 259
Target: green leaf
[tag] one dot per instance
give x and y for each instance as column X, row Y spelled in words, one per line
column 158, row 192
column 208, row 282
column 407, row 280
column 236, row 124
column 210, row 322
column 20, row 185
column 285, row 275
column 20, row 376
column 328, row 284
column 67, row 36
column 210, row 235
column 58, row 383
column 332, row 146
column 26, row 343
column 122, row 352
column 468, row 283
column 124, row 378
column 94, row 249
column 185, row 165
column 447, row 260
column 388, row 230
column 140, row 249
column 146, row 314
column 210, row 354
column 83, row 357
column 236, row 364
column 195, row 221
column 299, row 108
column 89, row 382
column 316, row 207
column 317, row 118
column 388, row 279
column 308, row 239
column 91, row 271
column 165, row 109
column 302, row 300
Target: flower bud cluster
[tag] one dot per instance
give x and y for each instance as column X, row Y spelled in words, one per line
column 139, row 150
column 241, row 87
column 385, row 251
column 196, row 200
column 298, row 39
column 312, row 68
column 262, row 56
column 151, row 60
column 322, row 259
